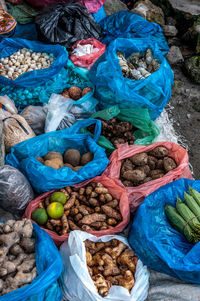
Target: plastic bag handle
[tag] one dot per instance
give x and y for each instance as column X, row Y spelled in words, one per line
column 85, row 123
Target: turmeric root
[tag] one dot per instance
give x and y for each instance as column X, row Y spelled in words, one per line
column 65, row 224
column 94, row 217
column 109, row 211
column 126, row 258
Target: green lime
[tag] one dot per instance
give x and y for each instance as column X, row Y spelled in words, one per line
column 55, row 210
column 59, row 197
column 40, row 216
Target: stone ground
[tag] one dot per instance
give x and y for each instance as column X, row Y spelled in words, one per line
column 184, row 111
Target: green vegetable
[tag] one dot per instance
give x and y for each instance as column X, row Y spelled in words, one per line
column 192, row 205
column 195, row 194
column 178, row 222
column 196, row 234
column 186, row 213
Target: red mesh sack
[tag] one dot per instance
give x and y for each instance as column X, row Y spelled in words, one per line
column 137, row 194
column 87, row 60
column 115, row 190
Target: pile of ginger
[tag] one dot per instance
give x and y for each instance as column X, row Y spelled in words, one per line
column 17, row 255
column 110, row 263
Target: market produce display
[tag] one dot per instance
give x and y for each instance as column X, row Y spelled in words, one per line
column 17, row 260
column 144, row 167
column 71, row 158
column 115, row 130
column 75, row 93
column 110, row 263
column 186, row 216
column 138, row 65
column 89, row 208
column 24, row 60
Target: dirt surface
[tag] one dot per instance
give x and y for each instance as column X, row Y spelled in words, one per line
column 184, row 111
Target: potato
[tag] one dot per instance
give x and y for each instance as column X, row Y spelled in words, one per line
column 73, row 157
column 135, row 176
column 85, row 91
column 159, row 152
column 148, row 179
column 156, row 174
column 169, row 164
column 86, row 158
column 77, row 168
column 145, row 169
column 159, row 164
column 51, row 164
column 127, row 183
column 139, row 159
column 40, row 159
column 52, row 155
column 68, row 165
column 152, row 161
column 75, row 92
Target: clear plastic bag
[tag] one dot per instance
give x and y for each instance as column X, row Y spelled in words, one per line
column 35, row 116
column 58, row 109
column 16, row 192
column 76, row 282
column 15, row 127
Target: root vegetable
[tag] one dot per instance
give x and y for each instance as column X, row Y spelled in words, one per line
column 75, row 92
column 86, row 158
column 128, row 281
column 152, row 162
column 135, row 176
column 86, row 90
column 139, row 159
column 159, row 152
column 109, row 211
column 73, row 226
column 40, row 159
column 169, row 164
column 114, row 203
column 94, row 217
column 73, row 157
column 77, row 168
column 52, row 155
column 126, row 258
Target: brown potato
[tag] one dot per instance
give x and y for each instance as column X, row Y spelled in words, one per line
column 86, row 158
column 77, row 168
column 159, row 152
column 73, row 157
column 75, row 92
column 148, row 179
column 127, row 183
column 156, row 174
column 68, row 165
column 85, row 91
column 152, row 161
column 159, row 164
column 40, row 159
column 139, row 159
column 145, row 169
column 52, row 155
column 51, row 164
column 135, row 176
column 169, row 164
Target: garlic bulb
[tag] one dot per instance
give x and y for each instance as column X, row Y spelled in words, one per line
column 24, row 60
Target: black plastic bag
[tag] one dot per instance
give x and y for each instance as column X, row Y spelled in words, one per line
column 66, row 23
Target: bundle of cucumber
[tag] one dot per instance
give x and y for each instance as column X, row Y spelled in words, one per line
column 185, row 218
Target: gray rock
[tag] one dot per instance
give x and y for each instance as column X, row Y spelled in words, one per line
column 2, row 148
column 188, row 6
column 192, row 66
column 174, row 56
column 149, row 11
column 113, row 6
column 169, row 30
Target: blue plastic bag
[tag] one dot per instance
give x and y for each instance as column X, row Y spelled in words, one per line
column 44, row 178
column 124, row 24
column 156, row 243
column 34, row 87
column 49, row 268
column 99, row 15
column 112, row 88
column 38, row 77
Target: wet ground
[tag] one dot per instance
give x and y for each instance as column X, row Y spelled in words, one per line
column 184, row 110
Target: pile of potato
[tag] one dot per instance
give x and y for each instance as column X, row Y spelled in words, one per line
column 144, row 167
column 89, row 208
column 110, row 263
column 75, row 93
column 17, row 255
column 71, row 158
column 117, row 131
